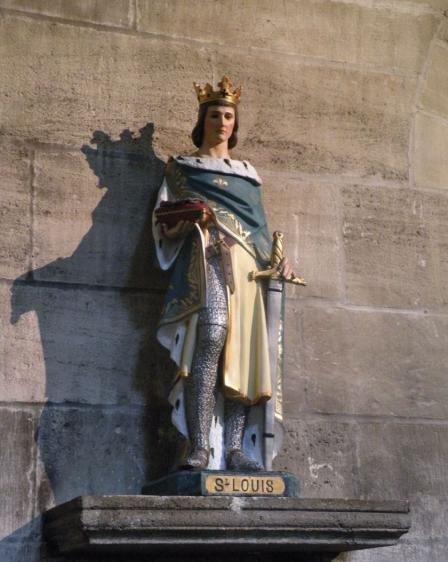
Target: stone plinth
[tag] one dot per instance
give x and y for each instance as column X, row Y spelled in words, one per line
column 118, row 524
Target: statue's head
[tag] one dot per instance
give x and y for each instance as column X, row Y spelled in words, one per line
column 217, row 119
column 218, row 113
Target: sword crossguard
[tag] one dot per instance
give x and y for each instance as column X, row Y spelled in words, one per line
column 296, row 280
column 267, row 273
column 276, row 258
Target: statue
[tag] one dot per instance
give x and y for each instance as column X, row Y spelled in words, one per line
column 214, row 319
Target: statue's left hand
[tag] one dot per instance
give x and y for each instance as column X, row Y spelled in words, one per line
column 285, row 269
column 181, row 230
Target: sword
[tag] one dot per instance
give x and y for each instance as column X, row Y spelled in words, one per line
column 274, row 310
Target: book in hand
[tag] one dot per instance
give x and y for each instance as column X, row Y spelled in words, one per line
column 192, row 210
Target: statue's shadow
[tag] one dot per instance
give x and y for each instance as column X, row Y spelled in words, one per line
column 104, row 428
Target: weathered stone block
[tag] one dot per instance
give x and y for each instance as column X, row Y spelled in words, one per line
column 439, row 5
column 304, row 125
column 17, row 459
column 414, row 457
column 93, row 226
column 22, row 365
column 90, row 450
column 395, row 247
column 443, row 31
column 108, row 12
column 137, row 79
column 85, row 346
column 322, row 121
column 430, row 150
column 321, row 454
column 67, row 193
column 435, row 92
column 365, row 363
column 15, row 209
column 326, row 30
column 308, row 215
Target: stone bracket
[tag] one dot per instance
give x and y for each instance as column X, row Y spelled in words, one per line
column 145, row 524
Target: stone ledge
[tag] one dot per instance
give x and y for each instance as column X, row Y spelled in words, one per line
column 197, row 524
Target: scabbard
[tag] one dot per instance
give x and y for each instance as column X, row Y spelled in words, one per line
column 274, row 306
column 221, row 248
column 226, row 264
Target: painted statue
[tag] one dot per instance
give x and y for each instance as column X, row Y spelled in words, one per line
column 214, row 321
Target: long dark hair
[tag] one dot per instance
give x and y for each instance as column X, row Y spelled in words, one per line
column 197, row 135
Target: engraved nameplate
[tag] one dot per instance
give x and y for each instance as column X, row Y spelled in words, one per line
column 241, row 485
column 224, row 483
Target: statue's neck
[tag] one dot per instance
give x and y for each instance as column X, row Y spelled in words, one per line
column 217, row 151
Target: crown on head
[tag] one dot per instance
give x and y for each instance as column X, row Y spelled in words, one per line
column 226, row 92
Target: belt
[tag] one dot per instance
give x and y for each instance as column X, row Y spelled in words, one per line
column 214, row 248
column 221, row 249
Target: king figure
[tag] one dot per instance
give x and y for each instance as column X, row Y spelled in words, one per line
column 214, row 322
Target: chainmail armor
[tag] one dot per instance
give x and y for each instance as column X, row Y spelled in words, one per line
column 211, row 335
column 201, row 386
column 235, row 416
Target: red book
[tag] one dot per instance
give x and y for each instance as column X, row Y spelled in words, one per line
column 193, row 210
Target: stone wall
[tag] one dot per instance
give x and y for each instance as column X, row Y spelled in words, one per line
column 345, row 116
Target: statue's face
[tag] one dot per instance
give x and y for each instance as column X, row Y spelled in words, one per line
column 218, row 124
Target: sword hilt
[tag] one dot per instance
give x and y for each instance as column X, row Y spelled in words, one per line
column 276, row 258
column 277, row 249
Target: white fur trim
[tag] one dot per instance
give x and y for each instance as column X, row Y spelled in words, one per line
column 240, row 168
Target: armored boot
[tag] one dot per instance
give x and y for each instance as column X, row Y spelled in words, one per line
column 235, row 419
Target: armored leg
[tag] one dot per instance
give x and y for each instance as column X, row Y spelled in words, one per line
column 235, row 415
column 201, row 386
column 235, row 419
column 201, row 390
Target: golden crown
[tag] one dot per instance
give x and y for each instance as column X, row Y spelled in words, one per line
column 226, row 92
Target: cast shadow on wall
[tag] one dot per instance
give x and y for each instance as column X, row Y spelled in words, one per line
column 102, row 427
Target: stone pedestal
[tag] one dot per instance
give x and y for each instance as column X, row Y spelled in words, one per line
column 189, row 525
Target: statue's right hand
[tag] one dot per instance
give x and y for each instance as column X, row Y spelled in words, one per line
column 182, row 229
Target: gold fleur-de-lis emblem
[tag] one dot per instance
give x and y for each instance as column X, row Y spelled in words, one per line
column 220, row 182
